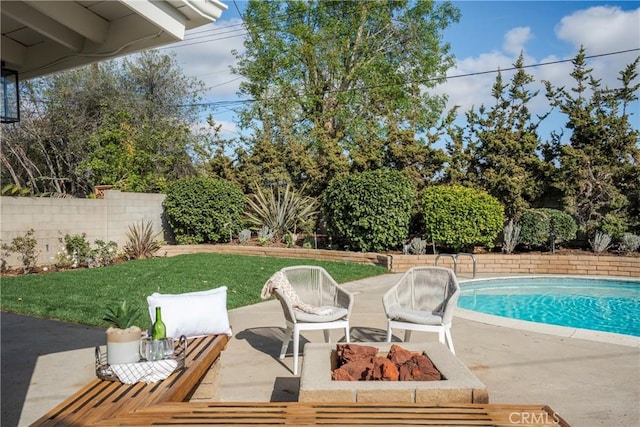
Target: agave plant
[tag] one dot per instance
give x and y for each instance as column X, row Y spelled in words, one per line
column 600, row 243
column 142, row 241
column 281, row 210
column 417, row 246
column 511, row 236
column 123, row 316
column 244, row 236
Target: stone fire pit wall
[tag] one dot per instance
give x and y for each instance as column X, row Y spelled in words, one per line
column 460, row 385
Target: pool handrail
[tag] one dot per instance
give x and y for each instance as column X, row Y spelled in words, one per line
column 454, row 257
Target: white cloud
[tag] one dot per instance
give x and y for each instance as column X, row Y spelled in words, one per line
column 207, row 56
column 601, row 29
column 515, row 40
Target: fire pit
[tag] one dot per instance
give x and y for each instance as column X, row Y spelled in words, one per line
column 458, row 385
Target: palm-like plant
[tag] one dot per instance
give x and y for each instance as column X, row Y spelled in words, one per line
column 142, row 241
column 281, row 210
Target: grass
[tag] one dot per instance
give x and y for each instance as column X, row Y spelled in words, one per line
column 82, row 296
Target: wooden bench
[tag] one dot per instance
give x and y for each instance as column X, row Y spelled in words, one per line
column 109, row 403
column 103, row 400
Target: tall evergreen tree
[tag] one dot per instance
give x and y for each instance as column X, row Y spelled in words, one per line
column 504, row 144
column 599, row 166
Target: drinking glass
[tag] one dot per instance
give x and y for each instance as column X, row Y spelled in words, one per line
column 167, row 346
column 151, row 349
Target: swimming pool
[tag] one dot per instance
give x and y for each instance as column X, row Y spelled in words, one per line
column 609, row 305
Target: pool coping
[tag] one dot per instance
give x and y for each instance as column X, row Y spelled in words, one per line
column 544, row 328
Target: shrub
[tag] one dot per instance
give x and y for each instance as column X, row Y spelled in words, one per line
column 104, row 254
column 203, row 210
column 75, row 251
column 534, row 228
column 369, row 211
column 614, row 224
column 546, row 227
column 460, row 217
column 629, row 243
column 601, row 242
column 282, row 210
column 25, row 246
column 78, row 247
column 142, row 242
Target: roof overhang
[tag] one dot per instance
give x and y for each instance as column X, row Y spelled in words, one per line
column 42, row 37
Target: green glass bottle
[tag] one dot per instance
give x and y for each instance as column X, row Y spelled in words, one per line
column 158, row 330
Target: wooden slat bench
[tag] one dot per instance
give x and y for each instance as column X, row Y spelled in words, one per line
column 336, row 414
column 102, row 400
column 108, row 403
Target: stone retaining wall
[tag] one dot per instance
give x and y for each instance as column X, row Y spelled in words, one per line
column 588, row 265
column 591, row 265
column 366, row 258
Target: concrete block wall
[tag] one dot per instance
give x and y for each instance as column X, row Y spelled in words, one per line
column 105, row 219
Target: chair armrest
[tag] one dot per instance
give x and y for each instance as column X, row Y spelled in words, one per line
column 344, row 298
column 287, row 309
column 452, row 303
column 390, row 300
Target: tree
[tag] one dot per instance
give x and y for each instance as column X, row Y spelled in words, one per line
column 341, row 86
column 599, row 166
column 504, row 145
column 125, row 123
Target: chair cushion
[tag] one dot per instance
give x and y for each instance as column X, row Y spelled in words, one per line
column 335, row 313
column 415, row 316
column 194, row 313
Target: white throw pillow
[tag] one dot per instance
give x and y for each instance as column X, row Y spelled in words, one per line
column 193, row 313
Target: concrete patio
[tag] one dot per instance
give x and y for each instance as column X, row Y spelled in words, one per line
column 588, row 382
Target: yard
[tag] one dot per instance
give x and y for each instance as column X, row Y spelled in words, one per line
column 82, row 296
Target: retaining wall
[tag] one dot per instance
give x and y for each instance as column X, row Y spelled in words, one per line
column 104, row 219
column 591, row 265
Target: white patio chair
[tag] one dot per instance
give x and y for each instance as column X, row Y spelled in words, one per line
column 316, row 288
column 423, row 300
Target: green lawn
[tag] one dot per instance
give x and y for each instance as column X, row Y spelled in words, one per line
column 81, row 296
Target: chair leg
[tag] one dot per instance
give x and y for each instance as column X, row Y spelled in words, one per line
column 389, row 333
column 296, row 345
column 327, row 335
column 407, row 335
column 285, row 342
column 441, row 333
column 346, row 334
column 450, row 341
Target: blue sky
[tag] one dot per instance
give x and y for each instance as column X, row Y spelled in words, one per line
column 490, row 35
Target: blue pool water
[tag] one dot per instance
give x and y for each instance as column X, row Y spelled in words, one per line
column 599, row 304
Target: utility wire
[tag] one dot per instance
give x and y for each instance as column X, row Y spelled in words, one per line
column 456, row 76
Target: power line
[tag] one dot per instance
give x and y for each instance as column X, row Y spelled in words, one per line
column 478, row 73
column 541, row 64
